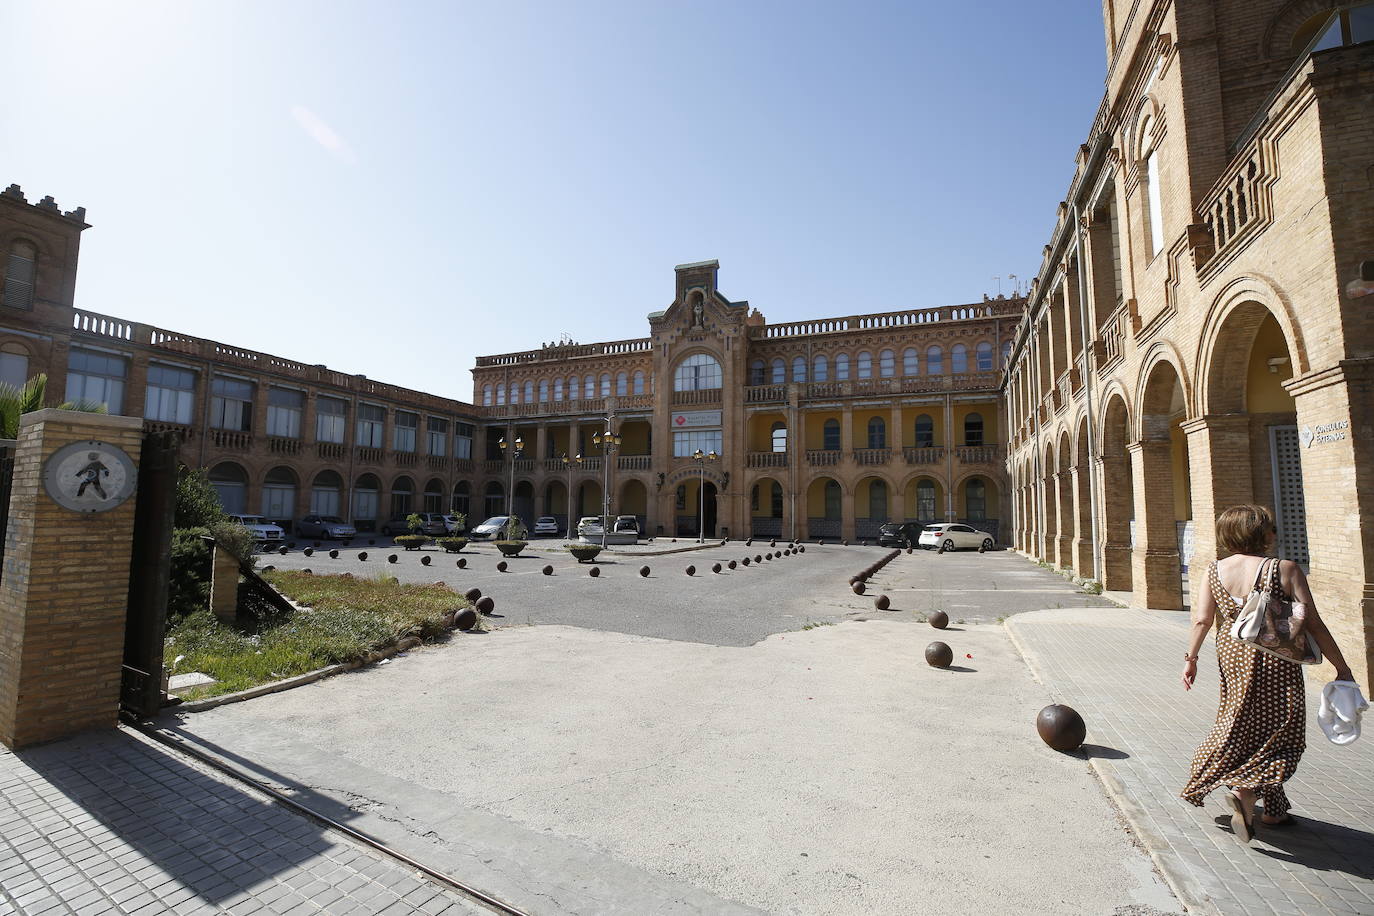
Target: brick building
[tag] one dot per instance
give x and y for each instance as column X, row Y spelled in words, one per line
column 893, row 415
column 1198, row 335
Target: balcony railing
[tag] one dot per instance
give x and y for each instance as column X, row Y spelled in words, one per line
column 568, row 351
column 766, row 459
column 872, row 455
column 283, row 445
column 437, row 462
column 525, row 465
column 897, row 385
column 404, row 459
column 1236, row 206
column 701, row 396
column 633, row 462
column 823, row 457
column 765, row 394
column 159, row 426
column 554, row 464
column 591, row 463
column 366, row 454
column 464, row 465
column 978, row 454
column 331, row 451
column 923, row 455
column 231, row 439
column 910, row 317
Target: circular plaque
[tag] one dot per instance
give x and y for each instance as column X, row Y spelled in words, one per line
column 89, row 476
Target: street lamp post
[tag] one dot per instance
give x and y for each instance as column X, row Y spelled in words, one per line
column 701, row 460
column 609, row 443
column 569, row 463
column 510, row 493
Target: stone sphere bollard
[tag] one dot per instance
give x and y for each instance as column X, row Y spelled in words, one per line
column 282, row 551
column 939, row 655
column 465, row 619
column 547, row 570
column 715, row 567
column 501, row 565
column 909, row 550
column 424, row 561
column 859, row 587
column 486, row 604
column 333, row 554
column 731, row 564
column 472, row 595
column 982, row 549
column 746, row 561
column 461, row 563
column 306, row 571
column 882, row 602
column 362, row 556
column 644, row 572
column 802, row 548
column 594, row 571
column 758, row 558
column 1061, row 727
column 391, row 558
column 939, row 620
column 773, row 543
column 844, row 543
column 268, row 568
column 309, row 551
column 691, row 570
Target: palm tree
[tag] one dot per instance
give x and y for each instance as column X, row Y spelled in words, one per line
column 15, row 402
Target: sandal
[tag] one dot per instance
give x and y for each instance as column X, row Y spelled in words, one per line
column 1285, row 821
column 1243, row 827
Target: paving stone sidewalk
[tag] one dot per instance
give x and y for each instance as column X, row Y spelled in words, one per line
column 1120, row 668
column 109, row 822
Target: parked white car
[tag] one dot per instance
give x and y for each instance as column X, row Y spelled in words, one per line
column 954, row 536
column 263, row 531
column 494, row 528
column 589, row 528
column 546, row 527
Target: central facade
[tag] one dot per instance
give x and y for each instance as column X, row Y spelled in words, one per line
column 729, row 426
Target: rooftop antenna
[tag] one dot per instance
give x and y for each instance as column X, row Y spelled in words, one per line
column 999, row 285
column 564, row 339
column 1015, row 286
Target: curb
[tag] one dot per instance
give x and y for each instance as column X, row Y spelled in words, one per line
column 1180, row 880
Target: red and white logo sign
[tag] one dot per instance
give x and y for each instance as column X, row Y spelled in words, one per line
column 681, row 420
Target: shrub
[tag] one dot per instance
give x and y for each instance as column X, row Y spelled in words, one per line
column 412, row 541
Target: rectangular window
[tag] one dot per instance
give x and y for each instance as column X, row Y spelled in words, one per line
column 462, row 440
column 19, row 273
column 403, row 439
column 97, row 377
column 371, row 417
column 365, row 504
column 925, row 502
column 331, row 416
column 14, row 369
column 231, row 404
column 686, row 442
column 438, row 436
column 1154, row 210
column 284, row 410
column 278, row 501
column 170, row 396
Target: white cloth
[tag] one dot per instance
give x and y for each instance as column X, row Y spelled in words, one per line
column 1339, row 714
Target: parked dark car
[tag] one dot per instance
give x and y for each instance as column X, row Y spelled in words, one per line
column 899, row 534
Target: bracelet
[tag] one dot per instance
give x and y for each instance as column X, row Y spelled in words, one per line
column 1189, row 658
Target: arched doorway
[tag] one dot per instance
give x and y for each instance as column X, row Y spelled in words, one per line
column 1063, row 482
column 326, row 494
column 1164, row 534
column 1048, row 503
column 279, row 496
column 696, row 509
column 434, row 495
column 588, row 499
column 366, row 502
column 872, row 506
column 922, row 500
column 524, row 502
column 634, row 500
column 231, row 486
column 462, row 500
column 556, row 503
column 765, row 508
column 977, row 503
column 493, row 500
column 824, row 508
column 1118, row 498
column 402, row 497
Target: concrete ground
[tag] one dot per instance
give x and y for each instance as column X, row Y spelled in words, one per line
column 686, row 745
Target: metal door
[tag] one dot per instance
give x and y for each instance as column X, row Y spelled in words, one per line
column 1285, row 451
column 150, row 568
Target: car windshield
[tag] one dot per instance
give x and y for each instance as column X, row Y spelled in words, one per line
column 332, row 519
column 934, row 527
column 547, row 519
column 249, row 519
column 494, row 520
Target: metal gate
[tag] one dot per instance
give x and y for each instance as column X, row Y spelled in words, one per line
column 150, row 568
column 1285, row 450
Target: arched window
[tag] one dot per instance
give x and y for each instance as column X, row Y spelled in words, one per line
column 402, row 497
column 326, row 494
column 984, row 357
column 1006, row 353
column 925, row 500
column 697, row 372
column 605, row 384
column 779, row 435
column 935, row 361
column 976, row 500
column 911, row 364
column 841, row 367
column 543, row 390
column 589, row 386
column 820, row 368
column 279, row 495
column 639, row 381
column 925, row 431
column 434, row 496
column 574, row 388
column 1149, row 162
column 832, row 499
column 622, row 384
column 19, row 275
column 779, row 371
column 486, row 395
column 461, row 497
column 877, row 433
column 231, row 486
column 799, row 369
column 958, row 359
column 558, row 389
column 830, row 435
column 529, row 392
column 865, row 364
column 877, row 501
column 973, row 429
column 365, row 500
column 501, row 394
column 887, row 364
column 758, row 372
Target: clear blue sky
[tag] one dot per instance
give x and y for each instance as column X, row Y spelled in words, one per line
column 394, row 188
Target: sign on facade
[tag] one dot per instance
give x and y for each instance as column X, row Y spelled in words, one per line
column 89, row 476
column 694, row 418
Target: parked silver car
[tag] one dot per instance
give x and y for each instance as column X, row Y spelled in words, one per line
column 494, row 527
column 262, row 530
column 546, row 527
column 328, row 527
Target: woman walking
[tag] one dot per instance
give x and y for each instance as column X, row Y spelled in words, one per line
column 1258, row 738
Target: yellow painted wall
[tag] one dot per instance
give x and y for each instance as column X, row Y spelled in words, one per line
column 989, row 412
column 909, row 499
column 1264, row 392
column 815, row 426
column 936, row 413
column 862, row 498
column 815, row 499
column 634, row 499
column 761, row 431
column 991, row 503
column 634, row 439
column 861, row 418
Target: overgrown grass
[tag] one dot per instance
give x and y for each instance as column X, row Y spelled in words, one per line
column 342, row 619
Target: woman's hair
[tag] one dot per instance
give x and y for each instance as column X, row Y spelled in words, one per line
column 1245, row 529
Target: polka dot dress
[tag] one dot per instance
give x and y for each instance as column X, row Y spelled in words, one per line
column 1259, row 735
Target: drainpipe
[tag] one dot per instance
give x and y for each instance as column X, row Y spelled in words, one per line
column 1093, row 507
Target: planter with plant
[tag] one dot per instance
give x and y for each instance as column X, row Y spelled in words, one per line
column 583, row 553
column 510, row 543
column 412, row 541
column 452, row 544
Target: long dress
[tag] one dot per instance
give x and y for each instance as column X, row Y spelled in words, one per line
column 1259, row 734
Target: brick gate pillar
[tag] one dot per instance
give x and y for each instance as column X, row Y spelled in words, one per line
column 1155, row 573
column 1219, row 460
column 64, row 591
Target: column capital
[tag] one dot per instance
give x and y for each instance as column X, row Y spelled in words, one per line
column 1227, row 421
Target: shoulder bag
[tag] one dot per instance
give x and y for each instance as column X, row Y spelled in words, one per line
column 1272, row 622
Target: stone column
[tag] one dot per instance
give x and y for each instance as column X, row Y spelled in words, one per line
column 1117, row 509
column 1155, row 575
column 64, row 592
column 1082, row 533
column 1219, row 456
column 1063, row 541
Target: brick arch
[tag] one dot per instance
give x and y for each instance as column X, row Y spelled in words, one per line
column 1160, row 355
column 1224, row 351
column 1275, row 43
column 1114, row 390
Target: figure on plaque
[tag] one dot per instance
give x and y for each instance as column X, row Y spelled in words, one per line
column 90, row 475
column 696, row 314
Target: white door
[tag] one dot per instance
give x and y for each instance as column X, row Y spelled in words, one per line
column 1285, row 450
